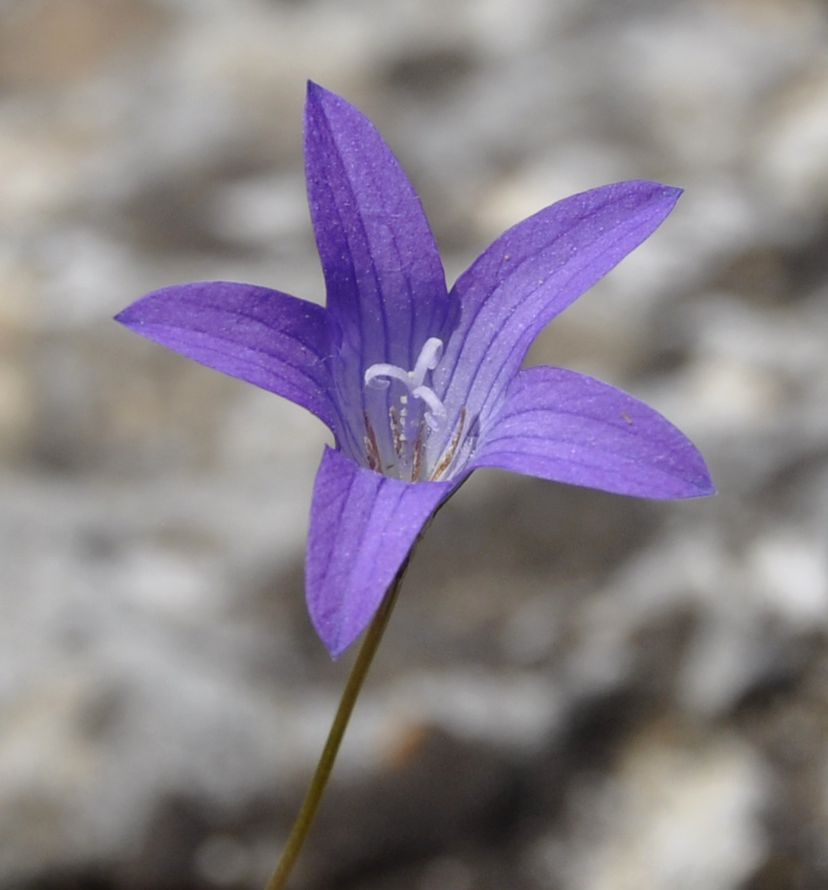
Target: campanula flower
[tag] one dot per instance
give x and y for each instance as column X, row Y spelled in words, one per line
column 420, row 385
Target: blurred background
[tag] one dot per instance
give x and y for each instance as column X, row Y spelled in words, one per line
column 577, row 691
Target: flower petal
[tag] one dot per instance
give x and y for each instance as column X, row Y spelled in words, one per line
column 386, row 290
column 532, row 273
column 265, row 337
column 385, row 281
column 567, row 427
column 363, row 526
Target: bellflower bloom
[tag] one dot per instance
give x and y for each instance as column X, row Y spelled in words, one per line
column 421, row 385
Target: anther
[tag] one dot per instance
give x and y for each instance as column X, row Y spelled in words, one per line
column 397, row 432
column 451, row 451
column 371, row 446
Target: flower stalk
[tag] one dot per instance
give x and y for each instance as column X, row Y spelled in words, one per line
column 316, row 789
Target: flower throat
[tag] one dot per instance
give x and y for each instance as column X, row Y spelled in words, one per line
column 409, row 425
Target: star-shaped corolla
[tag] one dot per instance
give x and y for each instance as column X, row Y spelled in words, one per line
column 421, row 385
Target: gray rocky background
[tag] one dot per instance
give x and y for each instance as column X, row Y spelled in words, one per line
column 578, row 691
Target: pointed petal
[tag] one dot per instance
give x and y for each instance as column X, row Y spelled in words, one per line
column 567, row 427
column 363, row 526
column 386, row 291
column 267, row 338
column 532, row 273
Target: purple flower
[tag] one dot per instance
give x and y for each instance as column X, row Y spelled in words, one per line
column 419, row 384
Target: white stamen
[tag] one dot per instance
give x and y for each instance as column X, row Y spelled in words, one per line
column 380, row 375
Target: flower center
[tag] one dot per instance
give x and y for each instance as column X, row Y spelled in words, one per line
column 380, row 375
column 397, row 430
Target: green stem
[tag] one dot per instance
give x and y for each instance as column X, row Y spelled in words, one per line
column 313, row 797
